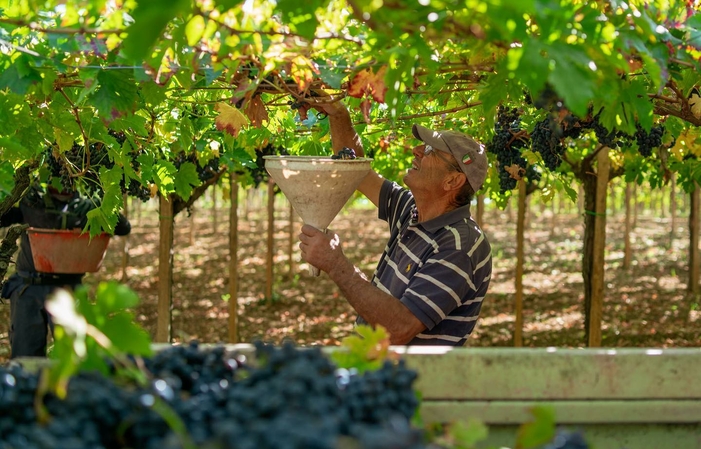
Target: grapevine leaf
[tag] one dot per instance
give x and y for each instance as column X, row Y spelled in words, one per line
column 19, row 76
column 359, row 82
column 101, row 219
column 636, row 96
column 14, row 113
column 126, row 336
column 300, row 16
column 302, row 71
column 163, row 173
column 332, row 77
column 366, row 351
column 63, row 140
column 538, row 432
column 152, row 93
column 185, row 179
column 532, row 66
column 150, row 20
column 377, row 86
column 256, row 112
column 467, row 435
column 116, row 95
column 370, row 83
column 113, row 297
column 13, row 151
column 229, row 120
column 146, row 162
column 568, row 74
column 194, row 30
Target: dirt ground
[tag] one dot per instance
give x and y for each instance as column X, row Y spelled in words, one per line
column 645, row 305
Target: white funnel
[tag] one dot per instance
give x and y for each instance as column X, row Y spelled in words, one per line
column 317, row 187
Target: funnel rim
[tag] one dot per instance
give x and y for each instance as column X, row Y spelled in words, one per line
column 317, row 158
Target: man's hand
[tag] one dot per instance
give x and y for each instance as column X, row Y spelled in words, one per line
column 324, row 103
column 322, row 250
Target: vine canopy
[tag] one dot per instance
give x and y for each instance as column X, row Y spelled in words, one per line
column 164, row 96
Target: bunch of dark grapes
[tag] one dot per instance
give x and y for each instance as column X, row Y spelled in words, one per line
column 81, row 160
column 345, row 153
column 293, row 398
column 204, row 172
column 135, row 189
column 611, row 139
column 566, row 439
column 647, row 141
column 546, row 139
column 508, row 140
column 259, row 173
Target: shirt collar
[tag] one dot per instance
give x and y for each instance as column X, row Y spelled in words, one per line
column 441, row 221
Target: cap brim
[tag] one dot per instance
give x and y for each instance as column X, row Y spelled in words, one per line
column 429, row 138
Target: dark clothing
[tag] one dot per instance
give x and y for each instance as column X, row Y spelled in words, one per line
column 28, row 289
column 439, row 269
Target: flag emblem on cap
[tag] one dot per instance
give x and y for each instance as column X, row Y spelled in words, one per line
column 467, row 160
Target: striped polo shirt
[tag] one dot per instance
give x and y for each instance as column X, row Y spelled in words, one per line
column 439, row 269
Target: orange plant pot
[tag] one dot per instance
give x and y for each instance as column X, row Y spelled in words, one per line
column 67, row 250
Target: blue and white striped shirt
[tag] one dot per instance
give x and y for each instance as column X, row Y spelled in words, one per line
column 439, row 269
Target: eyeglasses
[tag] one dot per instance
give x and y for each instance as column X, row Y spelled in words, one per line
column 428, row 149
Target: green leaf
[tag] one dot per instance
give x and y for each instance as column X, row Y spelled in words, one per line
column 194, row 30
column 635, row 96
column 568, row 74
column 331, row 76
column 151, row 18
column 538, row 432
column 116, row 95
column 20, row 76
column 126, row 336
column 163, row 176
column 468, row 434
column 152, row 93
column 12, row 151
column 532, row 68
column 113, row 296
column 185, row 179
column 300, row 16
column 366, row 351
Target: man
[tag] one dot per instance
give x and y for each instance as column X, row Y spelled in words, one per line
column 430, row 282
column 28, row 289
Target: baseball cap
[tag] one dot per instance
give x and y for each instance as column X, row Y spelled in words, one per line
column 471, row 155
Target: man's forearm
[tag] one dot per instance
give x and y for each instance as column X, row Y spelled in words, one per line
column 374, row 305
column 343, row 133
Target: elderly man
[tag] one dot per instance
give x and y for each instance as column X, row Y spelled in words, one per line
column 430, row 281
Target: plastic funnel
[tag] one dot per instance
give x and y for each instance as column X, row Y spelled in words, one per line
column 317, row 187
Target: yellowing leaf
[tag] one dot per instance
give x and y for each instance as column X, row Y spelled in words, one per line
column 256, row 112
column 230, row 119
column 366, row 82
column 377, row 85
column 359, row 83
column 302, row 71
column 194, row 30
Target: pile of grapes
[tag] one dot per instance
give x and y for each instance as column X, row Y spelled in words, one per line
column 291, row 398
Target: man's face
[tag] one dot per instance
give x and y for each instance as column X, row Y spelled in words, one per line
column 428, row 170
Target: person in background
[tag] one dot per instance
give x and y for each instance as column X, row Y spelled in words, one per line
column 430, row 282
column 27, row 289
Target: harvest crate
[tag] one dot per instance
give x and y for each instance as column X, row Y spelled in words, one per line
column 620, row 398
column 628, row 398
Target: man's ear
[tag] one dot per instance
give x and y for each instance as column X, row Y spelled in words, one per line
column 455, row 180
